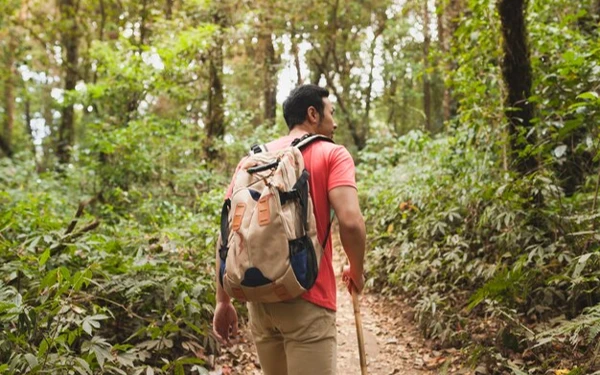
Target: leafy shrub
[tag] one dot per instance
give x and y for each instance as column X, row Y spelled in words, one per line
column 458, row 235
column 124, row 287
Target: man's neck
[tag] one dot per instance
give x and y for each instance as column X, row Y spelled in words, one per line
column 300, row 130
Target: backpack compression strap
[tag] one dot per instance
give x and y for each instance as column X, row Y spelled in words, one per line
column 302, row 184
column 301, row 143
column 307, row 139
column 257, row 149
column 224, row 237
column 300, row 191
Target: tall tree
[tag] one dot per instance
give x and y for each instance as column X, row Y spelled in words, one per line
column 296, row 54
column 9, row 93
column 69, row 30
column 343, row 53
column 442, row 31
column 517, row 74
column 215, row 121
column 452, row 18
column 426, row 79
column 144, row 29
column 369, row 89
column 269, row 68
column 169, row 9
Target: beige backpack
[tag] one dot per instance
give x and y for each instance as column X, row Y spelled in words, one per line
column 268, row 247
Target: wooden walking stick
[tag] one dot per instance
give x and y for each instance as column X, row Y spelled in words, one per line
column 359, row 333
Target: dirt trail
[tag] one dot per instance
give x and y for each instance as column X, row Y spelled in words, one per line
column 392, row 343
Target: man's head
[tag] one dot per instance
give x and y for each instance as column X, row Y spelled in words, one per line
column 309, row 107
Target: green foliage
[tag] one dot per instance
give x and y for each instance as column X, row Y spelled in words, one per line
column 123, row 281
column 112, row 299
column 450, row 229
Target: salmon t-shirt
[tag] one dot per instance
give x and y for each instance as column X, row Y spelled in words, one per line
column 330, row 166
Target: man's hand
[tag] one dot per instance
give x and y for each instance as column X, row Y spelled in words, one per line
column 352, row 280
column 225, row 322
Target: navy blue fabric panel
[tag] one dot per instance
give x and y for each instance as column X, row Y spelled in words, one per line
column 299, row 265
column 255, row 194
column 254, row 277
column 303, row 259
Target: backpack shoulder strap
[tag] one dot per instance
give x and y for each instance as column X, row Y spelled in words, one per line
column 307, row 139
column 257, row 149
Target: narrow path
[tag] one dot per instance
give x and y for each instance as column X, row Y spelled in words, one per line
column 393, row 345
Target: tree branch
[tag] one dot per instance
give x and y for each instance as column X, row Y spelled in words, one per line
column 351, row 124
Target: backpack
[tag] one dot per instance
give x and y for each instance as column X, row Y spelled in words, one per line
column 269, row 249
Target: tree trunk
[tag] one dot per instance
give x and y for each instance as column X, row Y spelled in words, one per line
column 444, row 48
column 408, row 87
column 369, row 91
column 66, row 133
column 426, row 81
column 38, row 166
column 296, row 53
column 452, row 17
column 392, row 105
column 516, row 70
column 9, row 94
column 169, row 9
column 143, row 24
column 215, row 123
column 102, row 9
column 269, row 71
column 315, row 74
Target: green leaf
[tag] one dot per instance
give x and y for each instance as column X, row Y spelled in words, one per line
column 32, row 360
column 87, row 327
column 190, row 361
column 49, row 279
column 126, row 359
column 78, row 280
column 100, row 348
column 590, row 95
column 34, row 243
column 581, row 265
column 92, row 321
column 44, row 257
column 83, row 366
column 43, row 348
column 101, row 355
column 65, row 273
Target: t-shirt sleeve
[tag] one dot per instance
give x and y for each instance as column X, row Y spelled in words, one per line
column 341, row 169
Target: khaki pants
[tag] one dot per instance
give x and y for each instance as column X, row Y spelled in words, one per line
column 294, row 337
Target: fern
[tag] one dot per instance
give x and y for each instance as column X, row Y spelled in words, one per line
column 505, row 283
column 588, row 321
column 594, row 331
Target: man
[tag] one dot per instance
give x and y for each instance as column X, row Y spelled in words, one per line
column 299, row 336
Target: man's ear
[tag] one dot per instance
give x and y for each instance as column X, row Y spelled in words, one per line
column 313, row 115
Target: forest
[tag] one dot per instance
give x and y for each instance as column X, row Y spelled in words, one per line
column 473, row 125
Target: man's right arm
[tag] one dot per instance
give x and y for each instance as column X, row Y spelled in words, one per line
column 344, row 200
column 225, row 320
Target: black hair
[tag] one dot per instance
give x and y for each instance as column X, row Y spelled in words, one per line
column 295, row 107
